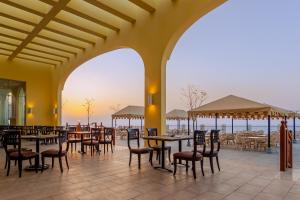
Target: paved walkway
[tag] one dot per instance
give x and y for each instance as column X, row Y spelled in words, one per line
column 244, row 175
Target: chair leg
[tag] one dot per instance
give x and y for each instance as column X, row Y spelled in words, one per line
column 60, row 165
column 130, row 155
column 104, row 148
column 43, row 163
column 5, row 162
column 52, row 162
column 72, row 147
column 111, row 147
column 20, row 167
column 75, row 147
column 139, row 160
column 169, row 152
column 30, row 162
column 157, row 155
column 150, row 157
column 91, row 149
column 8, row 166
column 194, row 169
column 175, row 166
column 66, row 157
column 217, row 158
column 186, row 165
column 211, row 164
column 16, row 162
column 201, row 163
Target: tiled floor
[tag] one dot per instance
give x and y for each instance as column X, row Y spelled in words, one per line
column 244, row 175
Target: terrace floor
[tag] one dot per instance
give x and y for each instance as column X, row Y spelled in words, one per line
column 244, row 175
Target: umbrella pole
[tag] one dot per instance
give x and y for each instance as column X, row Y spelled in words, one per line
column 216, row 122
column 129, row 123
column 294, row 120
column 247, row 125
column 188, row 142
column 269, row 134
column 232, row 125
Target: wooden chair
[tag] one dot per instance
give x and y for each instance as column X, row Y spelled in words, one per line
column 134, row 135
column 58, row 153
column 13, row 138
column 107, row 139
column 157, row 147
column 214, row 149
column 73, row 138
column 193, row 156
column 94, row 141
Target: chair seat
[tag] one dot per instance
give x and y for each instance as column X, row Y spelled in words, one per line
column 24, row 154
column 53, row 152
column 187, row 155
column 141, row 150
column 105, row 141
column 89, row 142
column 208, row 153
column 73, row 140
column 159, row 147
column 15, row 149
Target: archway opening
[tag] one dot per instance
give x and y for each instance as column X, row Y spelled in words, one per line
column 111, row 81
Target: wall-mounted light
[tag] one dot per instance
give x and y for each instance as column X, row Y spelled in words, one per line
column 55, row 111
column 150, row 99
column 29, row 110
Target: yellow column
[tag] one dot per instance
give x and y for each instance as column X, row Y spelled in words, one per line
column 155, row 86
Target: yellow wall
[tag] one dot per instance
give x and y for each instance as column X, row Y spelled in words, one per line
column 39, row 93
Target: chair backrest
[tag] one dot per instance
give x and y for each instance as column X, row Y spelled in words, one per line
column 199, row 140
column 214, row 140
column 95, row 134
column 12, row 138
column 133, row 134
column 62, row 139
column 108, row 134
column 152, row 132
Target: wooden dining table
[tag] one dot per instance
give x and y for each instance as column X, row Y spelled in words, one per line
column 37, row 139
column 166, row 138
column 82, row 134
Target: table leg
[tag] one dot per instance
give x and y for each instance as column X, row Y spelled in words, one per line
column 180, row 149
column 37, row 150
column 82, row 146
column 162, row 161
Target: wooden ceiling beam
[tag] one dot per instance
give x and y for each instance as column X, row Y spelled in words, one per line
column 46, row 28
column 60, row 42
column 55, row 48
column 11, row 37
column 143, row 5
column 69, row 35
column 38, row 56
column 17, row 19
column 19, row 6
column 83, row 15
column 92, row 19
column 41, row 36
column 50, row 15
column 80, row 28
column 4, row 54
column 44, row 62
column 14, row 29
column 46, row 52
column 111, row 10
column 6, row 49
column 8, row 43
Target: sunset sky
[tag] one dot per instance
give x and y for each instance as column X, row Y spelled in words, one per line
column 246, row 48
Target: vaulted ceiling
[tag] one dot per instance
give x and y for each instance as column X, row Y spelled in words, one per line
column 54, row 31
